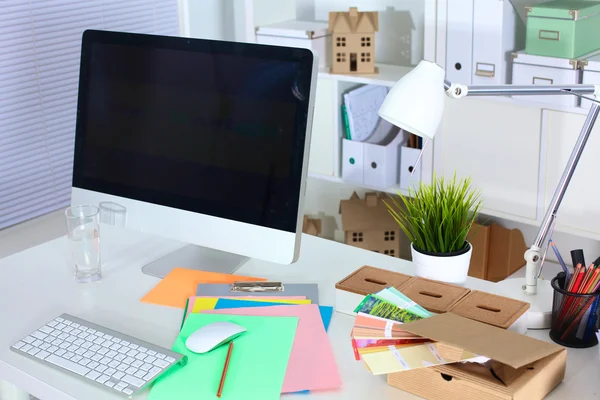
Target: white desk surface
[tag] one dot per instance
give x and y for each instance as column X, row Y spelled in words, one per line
column 37, row 285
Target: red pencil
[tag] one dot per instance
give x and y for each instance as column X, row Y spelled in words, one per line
column 224, row 374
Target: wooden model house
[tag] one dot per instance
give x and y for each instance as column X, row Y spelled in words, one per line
column 353, row 41
column 311, row 226
column 368, row 224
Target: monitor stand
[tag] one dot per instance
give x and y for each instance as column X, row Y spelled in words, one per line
column 195, row 257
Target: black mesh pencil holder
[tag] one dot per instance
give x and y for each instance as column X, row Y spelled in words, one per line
column 574, row 316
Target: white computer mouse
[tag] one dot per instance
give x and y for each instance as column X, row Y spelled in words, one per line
column 212, row 336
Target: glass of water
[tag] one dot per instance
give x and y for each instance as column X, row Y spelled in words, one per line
column 83, row 231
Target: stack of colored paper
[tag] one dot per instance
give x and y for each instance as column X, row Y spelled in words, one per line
column 284, row 350
column 380, row 342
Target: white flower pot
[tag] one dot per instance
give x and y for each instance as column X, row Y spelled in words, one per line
column 445, row 268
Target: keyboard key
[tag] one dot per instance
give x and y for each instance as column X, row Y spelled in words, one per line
column 108, row 337
column 105, row 360
column 131, row 370
column 107, row 343
column 118, row 375
column 71, row 339
column 57, row 342
column 67, row 322
column 72, row 348
column 128, row 391
column 76, row 358
column 63, row 336
column 151, row 352
column 110, row 383
column 115, row 346
column 93, row 375
column 29, row 340
column 110, row 371
column 170, row 359
column 124, row 343
column 116, row 340
column 42, row 354
column 60, row 352
column 103, row 350
column 39, row 335
column 60, row 326
column 101, row 368
column 111, row 354
column 99, row 334
column 142, row 349
column 68, row 365
column 93, row 364
column 94, row 347
column 80, row 351
column 140, row 374
column 75, row 332
column 68, row 329
column 128, row 360
column 26, row 348
column 68, row 355
column 46, row 329
column 49, row 339
column 155, row 370
column 44, row 346
column 160, row 356
column 18, row 345
column 114, row 364
column 52, row 323
column 137, row 363
column 132, row 353
column 120, row 386
column 146, row 367
column 141, row 356
column 83, row 335
column 99, row 341
column 33, row 351
column 55, row 333
column 88, row 354
column 52, row 349
column 83, row 328
column 150, row 359
column 120, row 357
column 124, row 349
column 132, row 380
column 84, row 361
column 91, row 331
column 64, row 345
column 37, row 343
column 161, row 363
column 133, row 346
column 97, row 357
column 103, row 379
column 59, row 319
column 75, row 325
column 122, row 367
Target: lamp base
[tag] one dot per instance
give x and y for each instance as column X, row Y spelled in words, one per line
column 540, row 312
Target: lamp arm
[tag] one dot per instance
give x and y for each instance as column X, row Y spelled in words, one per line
column 457, row 90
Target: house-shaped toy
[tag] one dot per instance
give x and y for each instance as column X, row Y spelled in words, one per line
column 368, row 224
column 353, row 41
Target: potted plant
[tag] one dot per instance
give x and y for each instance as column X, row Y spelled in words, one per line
column 437, row 218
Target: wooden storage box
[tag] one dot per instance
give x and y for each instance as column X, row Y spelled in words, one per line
column 434, row 296
column 491, row 309
column 351, row 290
column 563, row 28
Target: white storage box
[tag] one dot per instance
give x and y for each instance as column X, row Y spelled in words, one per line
column 374, row 165
column 408, row 160
column 304, row 34
column 539, row 70
column 591, row 74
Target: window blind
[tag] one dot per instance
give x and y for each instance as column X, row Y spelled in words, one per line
column 40, row 42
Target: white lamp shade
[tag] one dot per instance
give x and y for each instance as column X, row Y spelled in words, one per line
column 416, row 102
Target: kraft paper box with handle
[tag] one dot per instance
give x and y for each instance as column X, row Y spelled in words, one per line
column 522, row 368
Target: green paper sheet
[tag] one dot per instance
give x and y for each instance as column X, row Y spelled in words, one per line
column 256, row 369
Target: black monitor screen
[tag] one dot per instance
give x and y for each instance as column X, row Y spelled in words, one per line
column 206, row 126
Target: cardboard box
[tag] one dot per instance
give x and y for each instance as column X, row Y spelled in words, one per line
column 434, row 296
column 522, row 368
column 491, row 309
column 497, row 252
column 366, row 280
column 368, row 224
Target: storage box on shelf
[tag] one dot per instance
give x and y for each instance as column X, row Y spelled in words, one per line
column 311, row 35
column 540, row 70
column 563, row 28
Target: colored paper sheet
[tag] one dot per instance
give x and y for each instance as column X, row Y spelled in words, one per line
column 375, row 306
column 180, row 284
column 402, row 358
column 209, row 303
column 257, row 366
column 192, row 300
column 398, row 298
column 312, row 363
column 326, row 311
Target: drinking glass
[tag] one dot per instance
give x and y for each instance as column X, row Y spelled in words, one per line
column 83, row 231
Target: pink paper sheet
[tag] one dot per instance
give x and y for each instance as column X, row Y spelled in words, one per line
column 312, row 364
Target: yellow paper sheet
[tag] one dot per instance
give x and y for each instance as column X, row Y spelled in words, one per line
column 209, row 303
column 180, row 284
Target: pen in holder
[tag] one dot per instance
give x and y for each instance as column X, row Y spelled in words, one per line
column 574, row 316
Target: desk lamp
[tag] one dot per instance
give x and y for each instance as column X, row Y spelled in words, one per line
column 416, row 104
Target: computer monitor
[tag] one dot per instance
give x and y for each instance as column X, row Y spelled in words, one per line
column 202, row 141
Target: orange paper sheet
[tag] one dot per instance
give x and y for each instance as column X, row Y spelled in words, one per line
column 180, row 284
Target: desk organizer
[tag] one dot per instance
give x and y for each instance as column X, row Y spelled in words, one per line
column 436, row 297
column 491, row 309
column 351, row 290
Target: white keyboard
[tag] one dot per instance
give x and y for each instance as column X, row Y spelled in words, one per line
column 97, row 354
